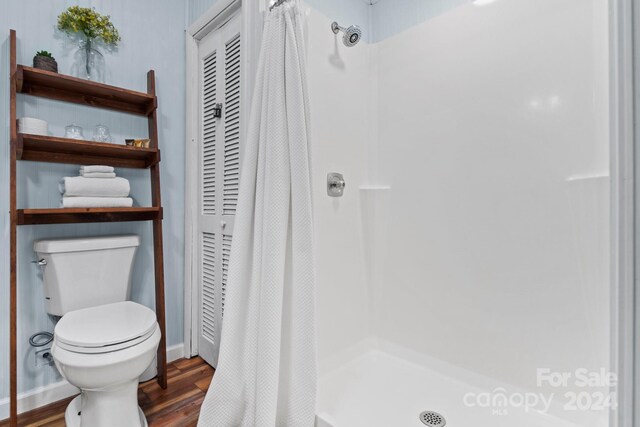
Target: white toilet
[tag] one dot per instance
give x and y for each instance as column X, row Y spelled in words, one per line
column 103, row 342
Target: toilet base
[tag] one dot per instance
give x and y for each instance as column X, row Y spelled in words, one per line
column 72, row 414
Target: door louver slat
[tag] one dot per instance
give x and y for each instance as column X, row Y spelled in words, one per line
column 208, row 310
column 226, row 255
column 209, row 135
column 231, row 127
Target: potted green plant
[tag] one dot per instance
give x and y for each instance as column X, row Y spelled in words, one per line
column 90, row 29
column 45, row 61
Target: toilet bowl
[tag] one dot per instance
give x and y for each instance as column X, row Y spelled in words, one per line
column 103, row 350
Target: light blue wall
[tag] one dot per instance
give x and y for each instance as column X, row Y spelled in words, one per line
column 153, row 38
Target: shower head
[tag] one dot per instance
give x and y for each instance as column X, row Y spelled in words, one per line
column 352, row 35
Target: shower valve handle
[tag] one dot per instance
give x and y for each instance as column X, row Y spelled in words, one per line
column 339, row 184
column 335, row 184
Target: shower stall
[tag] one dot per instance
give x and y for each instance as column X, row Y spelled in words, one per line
column 463, row 276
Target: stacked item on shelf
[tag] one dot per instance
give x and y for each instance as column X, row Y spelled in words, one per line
column 95, row 187
column 31, row 126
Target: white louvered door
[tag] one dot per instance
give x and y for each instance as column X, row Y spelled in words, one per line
column 219, row 163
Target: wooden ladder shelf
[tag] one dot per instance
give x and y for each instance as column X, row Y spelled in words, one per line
column 50, row 85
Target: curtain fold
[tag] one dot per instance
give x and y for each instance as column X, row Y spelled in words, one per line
column 266, row 373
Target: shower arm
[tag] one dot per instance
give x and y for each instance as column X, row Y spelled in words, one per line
column 336, row 28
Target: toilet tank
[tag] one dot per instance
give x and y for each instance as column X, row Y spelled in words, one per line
column 86, row 272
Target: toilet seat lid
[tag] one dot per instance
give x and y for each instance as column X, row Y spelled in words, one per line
column 106, row 325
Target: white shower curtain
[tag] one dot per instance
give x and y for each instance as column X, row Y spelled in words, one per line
column 266, row 375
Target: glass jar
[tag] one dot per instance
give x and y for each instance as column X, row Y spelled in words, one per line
column 101, row 134
column 73, row 132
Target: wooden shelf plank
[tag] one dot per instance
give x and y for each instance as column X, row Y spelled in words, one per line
column 50, row 149
column 46, row 84
column 83, row 215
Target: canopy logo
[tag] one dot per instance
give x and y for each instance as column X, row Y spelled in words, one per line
column 499, row 401
column 579, row 390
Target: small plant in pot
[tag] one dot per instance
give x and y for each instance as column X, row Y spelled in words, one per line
column 45, row 61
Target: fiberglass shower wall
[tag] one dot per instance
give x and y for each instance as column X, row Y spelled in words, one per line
column 494, row 139
column 474, row 141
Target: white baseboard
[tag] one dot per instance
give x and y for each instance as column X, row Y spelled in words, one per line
column 50, row 393
column 39, row 397
column 175, row 352
column 42, row 396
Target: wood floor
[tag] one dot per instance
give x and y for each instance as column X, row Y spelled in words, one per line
column 178, row 405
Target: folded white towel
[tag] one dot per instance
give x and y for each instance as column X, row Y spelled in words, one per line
column 97, row 202
column 98, row 174
column 96, row 168
column 94, row 187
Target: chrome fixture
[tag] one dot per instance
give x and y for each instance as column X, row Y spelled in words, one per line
column 41, row 262
column 352, row 35
column 335, row 184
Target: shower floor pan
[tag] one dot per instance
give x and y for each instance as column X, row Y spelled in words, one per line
column 378, row 389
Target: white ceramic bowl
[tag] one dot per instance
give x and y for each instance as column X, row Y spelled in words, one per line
column 32, row 126
column 30, row 121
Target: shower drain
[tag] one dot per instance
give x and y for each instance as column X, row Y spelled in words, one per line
column 432, row 419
